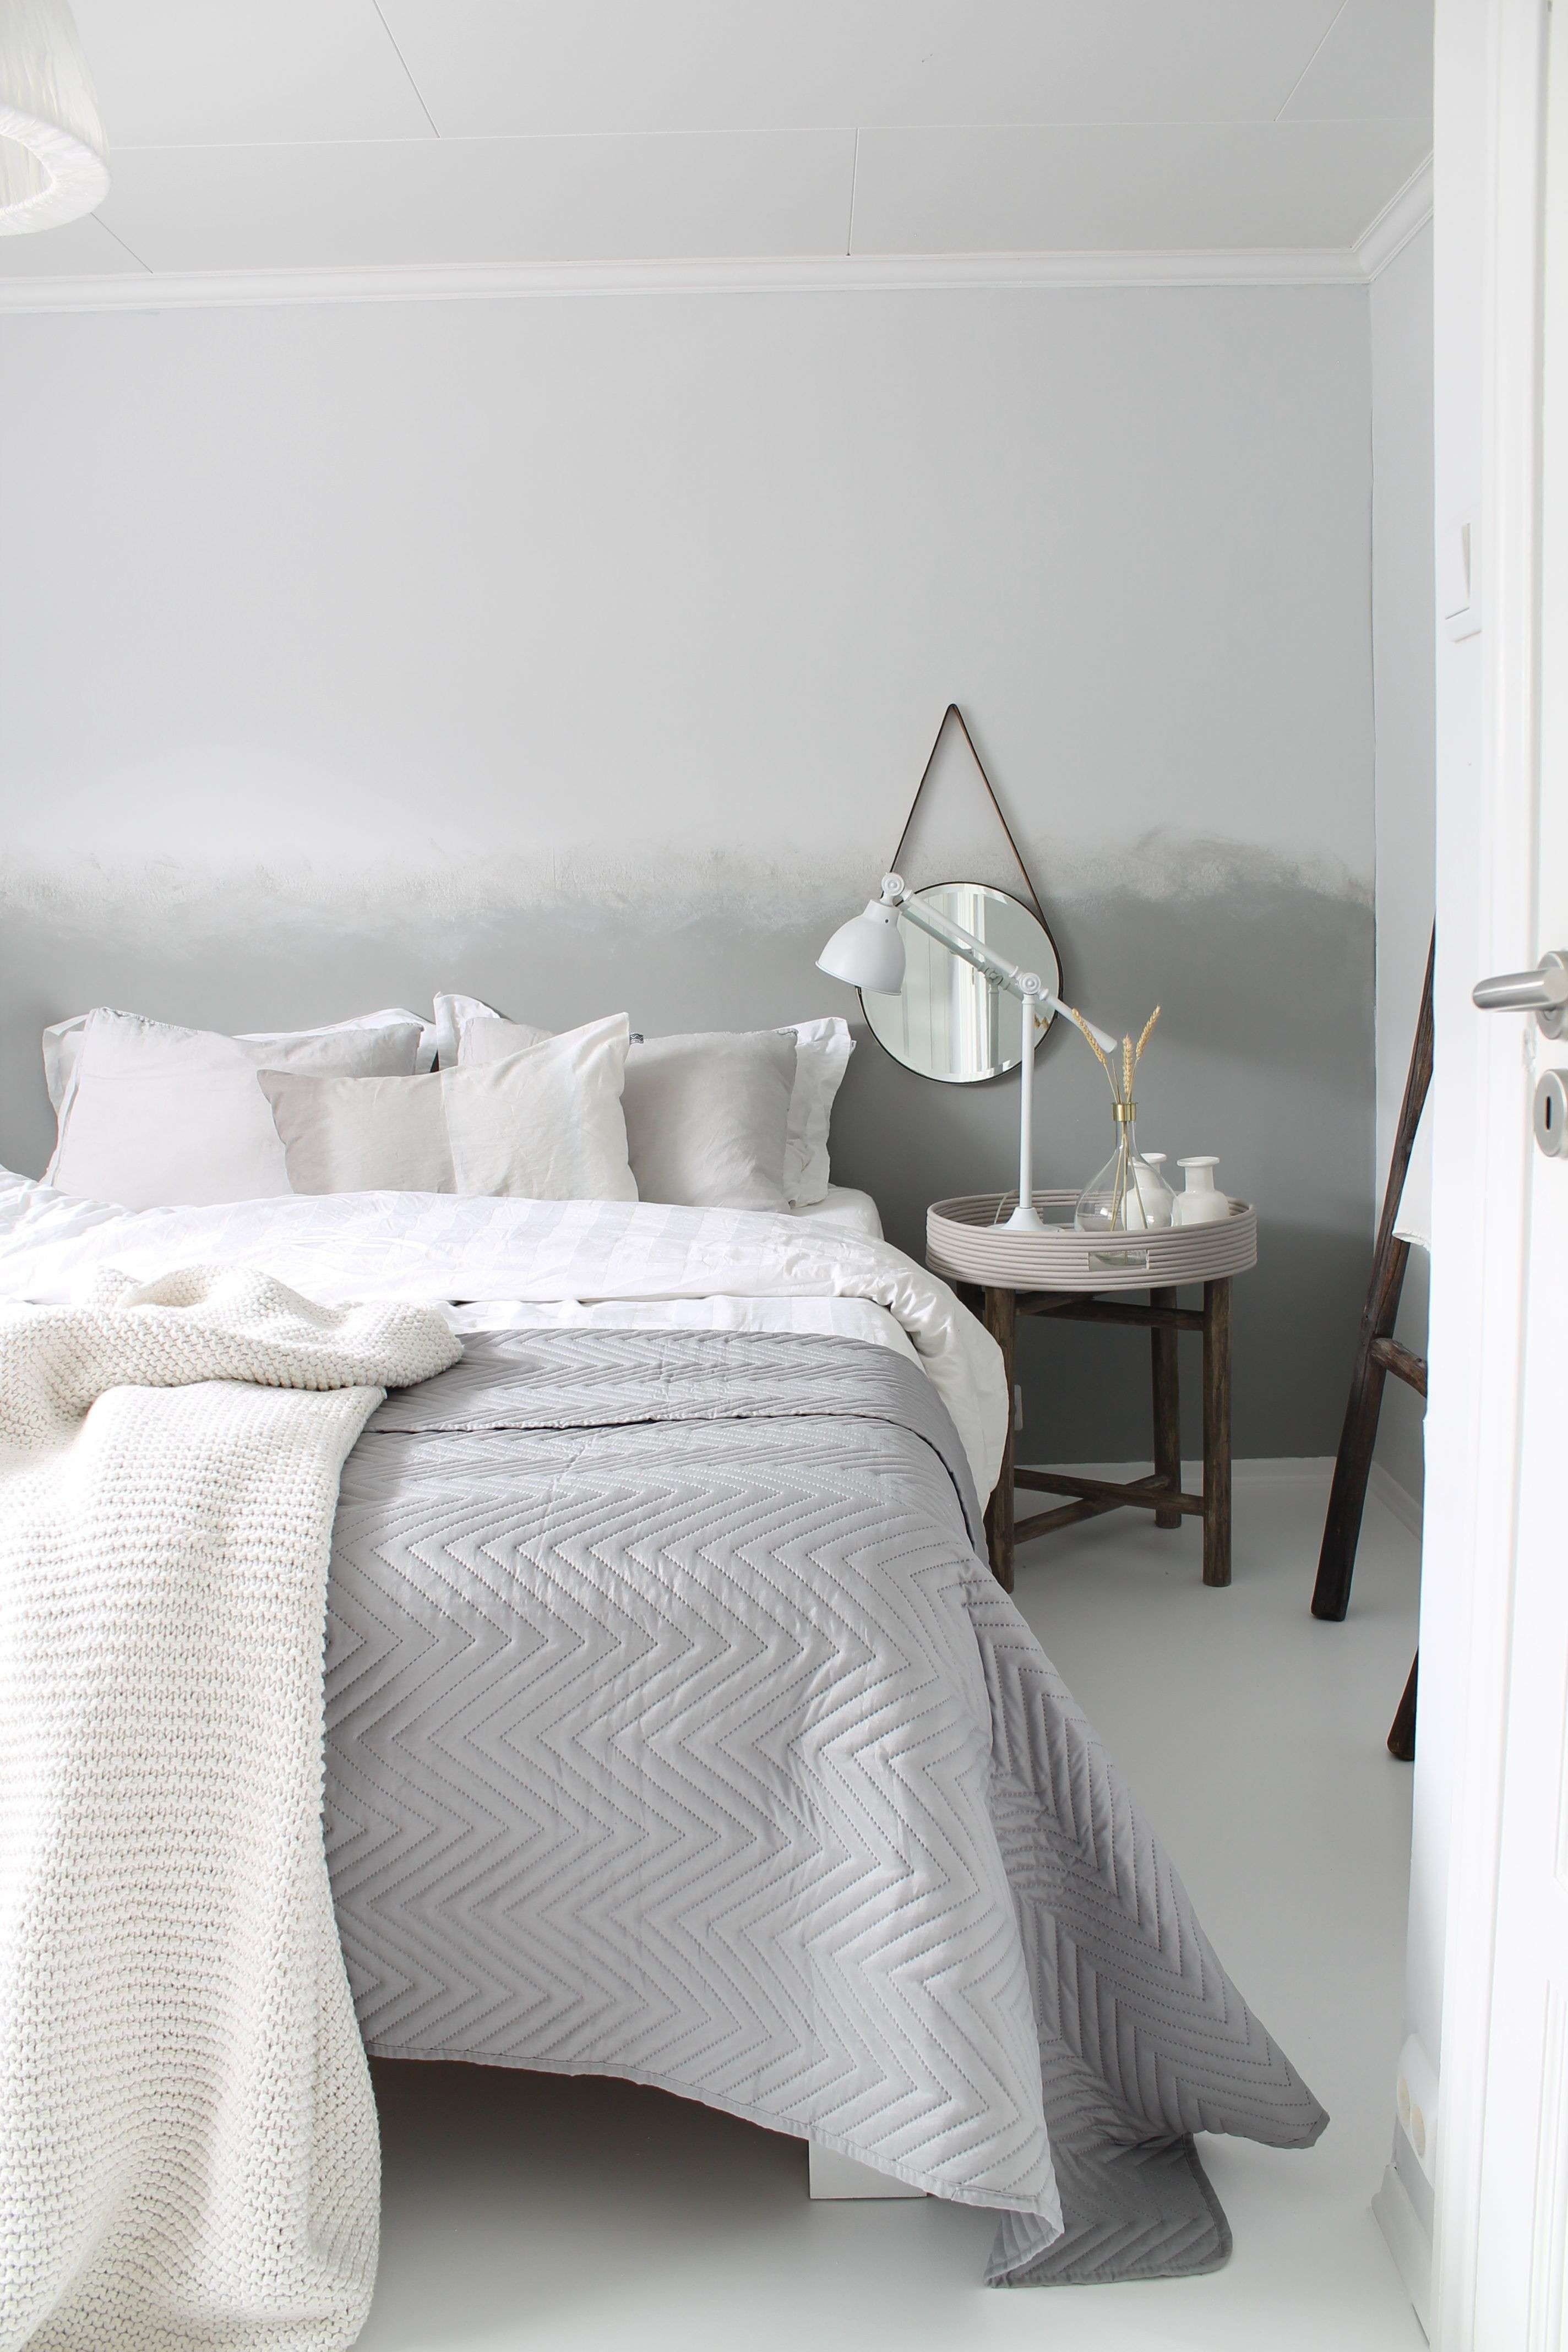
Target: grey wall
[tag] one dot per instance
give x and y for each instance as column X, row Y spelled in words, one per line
column 584, row 652
column 1403, row 609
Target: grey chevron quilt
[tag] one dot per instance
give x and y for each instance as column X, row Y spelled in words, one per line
column 677, row 1730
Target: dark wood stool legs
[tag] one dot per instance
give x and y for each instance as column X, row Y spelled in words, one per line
column 1162, row 1494
column 1167, row 1408
column 1217, row 1433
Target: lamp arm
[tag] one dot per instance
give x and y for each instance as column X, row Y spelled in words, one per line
column 1036, row 1000
column 1010, row 976
column 952, row 935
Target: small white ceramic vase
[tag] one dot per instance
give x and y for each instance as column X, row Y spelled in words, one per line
column 1159, row 1202
column 1203, row 1202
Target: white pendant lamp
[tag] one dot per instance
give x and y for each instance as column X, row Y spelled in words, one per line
column 53, row 153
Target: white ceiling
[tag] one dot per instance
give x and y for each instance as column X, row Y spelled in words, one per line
column 311, row 134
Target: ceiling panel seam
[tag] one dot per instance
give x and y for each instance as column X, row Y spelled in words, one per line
column 1312, row 60
column 119, row 241
column 409, row 70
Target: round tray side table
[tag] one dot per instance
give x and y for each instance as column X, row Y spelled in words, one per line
column 1073, row 1277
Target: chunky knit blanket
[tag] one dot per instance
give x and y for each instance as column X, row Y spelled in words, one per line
column 188, row 2150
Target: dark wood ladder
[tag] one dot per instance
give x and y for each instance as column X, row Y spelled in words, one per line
column 1378, row 1353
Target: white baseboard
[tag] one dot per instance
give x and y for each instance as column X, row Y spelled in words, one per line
column 1404, row 1506
column 1408, row 2243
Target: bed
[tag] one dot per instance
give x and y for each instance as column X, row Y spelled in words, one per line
column 677, row 1729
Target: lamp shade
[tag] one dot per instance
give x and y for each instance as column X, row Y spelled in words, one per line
column 53, row 165
column 867, row 951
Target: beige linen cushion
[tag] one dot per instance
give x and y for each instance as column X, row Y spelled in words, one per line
column 544, row 1124
column 707, row 1114
column 361, row 1135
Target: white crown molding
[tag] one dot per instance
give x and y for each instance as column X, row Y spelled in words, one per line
column 1403, row 218
column 827, row 274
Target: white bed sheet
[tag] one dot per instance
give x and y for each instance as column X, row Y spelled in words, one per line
column 844, row 1319
column 563, row 1260
column 845, row 1211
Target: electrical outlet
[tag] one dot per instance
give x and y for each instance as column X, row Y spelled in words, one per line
column 1017, row 1409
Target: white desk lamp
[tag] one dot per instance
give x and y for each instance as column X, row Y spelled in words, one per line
column 868, row 952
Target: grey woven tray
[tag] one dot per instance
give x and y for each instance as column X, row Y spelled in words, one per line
column 965, row 1242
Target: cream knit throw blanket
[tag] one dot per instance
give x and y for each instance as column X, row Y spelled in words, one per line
column 188, row 2151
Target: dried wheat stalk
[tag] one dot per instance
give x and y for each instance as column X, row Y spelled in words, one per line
column 1079, row 1024
column 1148, row 1032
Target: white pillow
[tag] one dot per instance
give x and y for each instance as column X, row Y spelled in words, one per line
column 453, row 1015
column 62, row 1041
column 151, row 1116
column 545, row 1124
column 822, row 1051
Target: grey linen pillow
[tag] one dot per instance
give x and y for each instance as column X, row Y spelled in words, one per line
column 361, row 1135
column 707, row 1118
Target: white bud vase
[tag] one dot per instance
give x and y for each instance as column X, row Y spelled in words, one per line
column 1159, row 1202
column 1203, row 1202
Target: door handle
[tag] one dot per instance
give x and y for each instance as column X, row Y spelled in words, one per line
column 1544, row 991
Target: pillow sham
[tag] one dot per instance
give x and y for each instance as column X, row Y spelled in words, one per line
column 707, row 1114
column 707, row 1118
column 153, row 1116
column 544, row 1123
column 453, row 1014
column 822, row 1048
column 62, row 1041
column 822, row 1051
column 360, row 1135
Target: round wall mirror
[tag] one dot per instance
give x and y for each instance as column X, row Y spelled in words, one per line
column 948, row 1021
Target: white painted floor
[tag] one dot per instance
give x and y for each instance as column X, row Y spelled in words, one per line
column 523, row 2211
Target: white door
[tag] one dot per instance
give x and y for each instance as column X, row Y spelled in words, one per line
column 1522, row 2207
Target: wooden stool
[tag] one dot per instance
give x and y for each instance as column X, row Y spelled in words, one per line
column 1084, row 1278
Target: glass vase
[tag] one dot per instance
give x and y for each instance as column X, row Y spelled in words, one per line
column 1127, row 1196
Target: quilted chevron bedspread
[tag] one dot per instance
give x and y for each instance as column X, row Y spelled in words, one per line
column 677, row 1730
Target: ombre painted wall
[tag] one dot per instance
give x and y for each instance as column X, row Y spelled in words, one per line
column 585, row 652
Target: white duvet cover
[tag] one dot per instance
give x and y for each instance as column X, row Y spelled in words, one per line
column 493, row 1260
